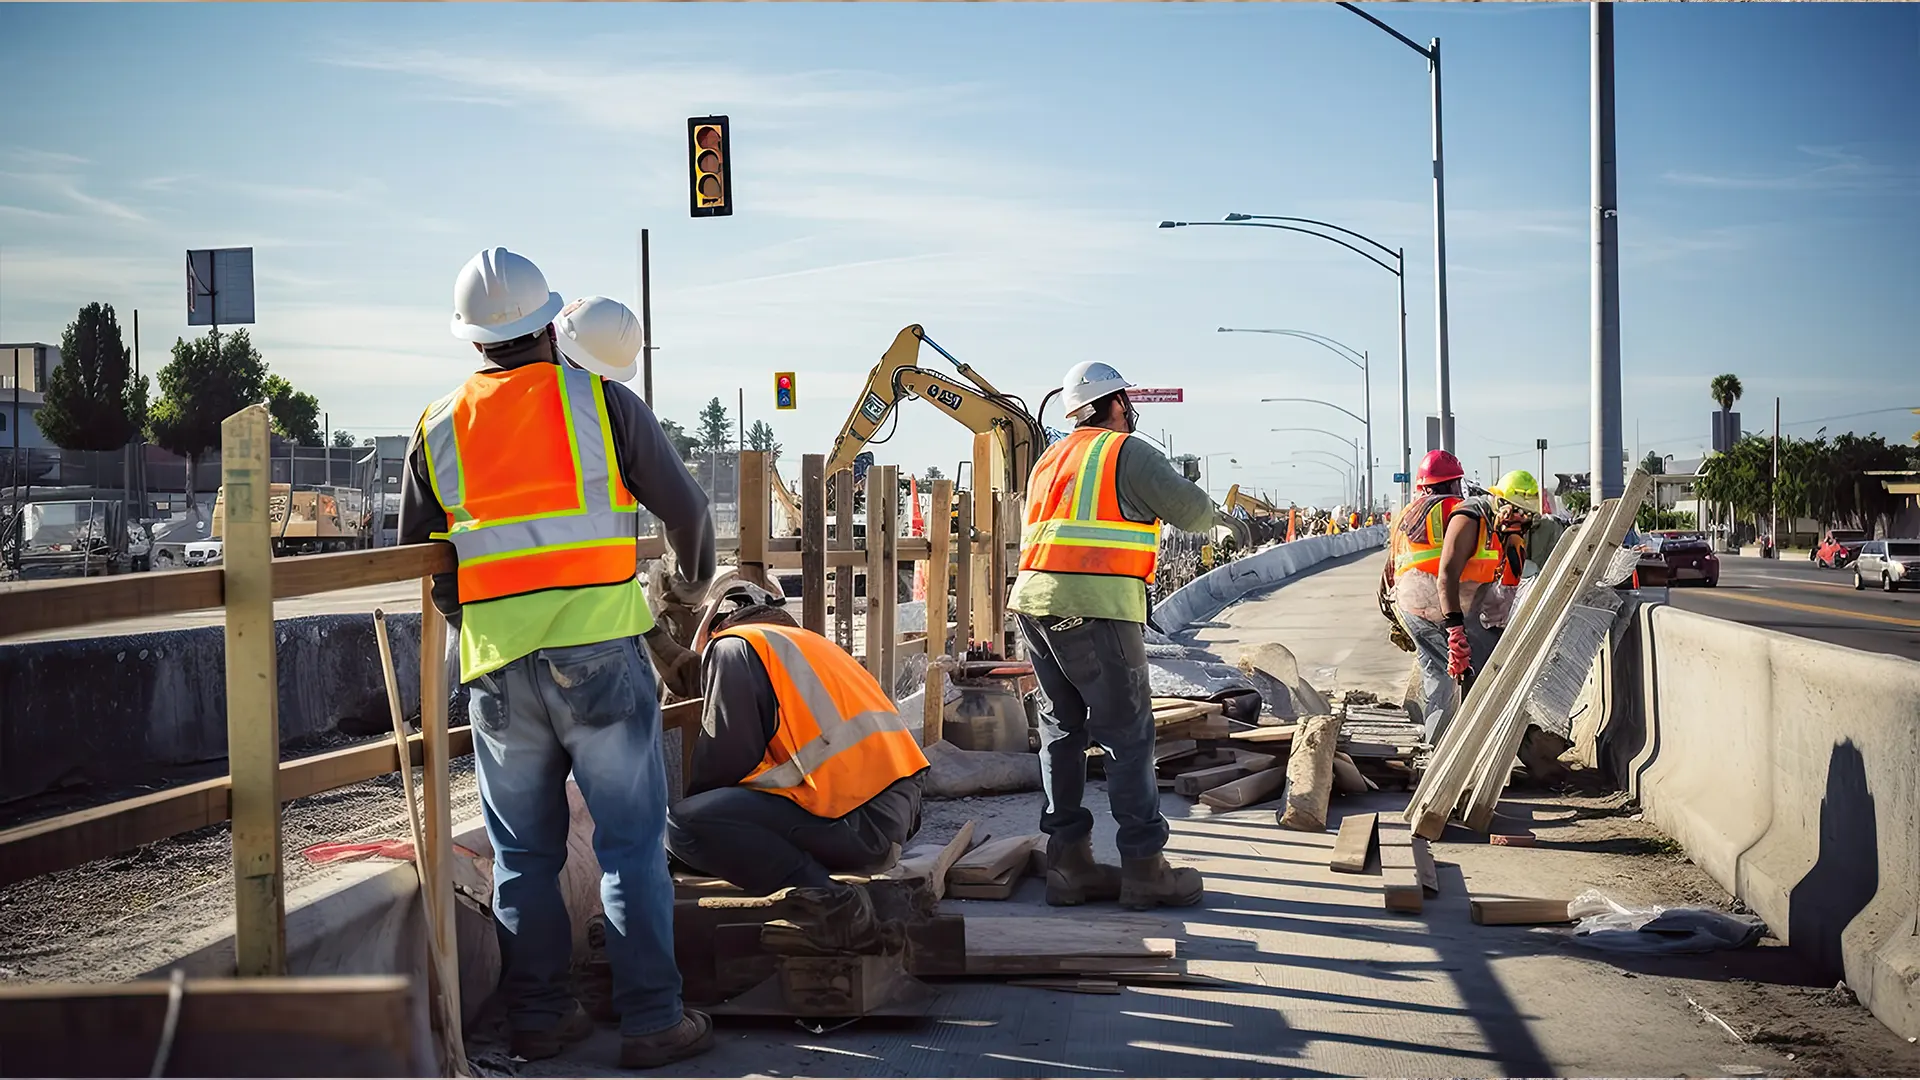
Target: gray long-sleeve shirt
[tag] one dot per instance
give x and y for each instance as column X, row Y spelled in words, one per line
column 653, row 473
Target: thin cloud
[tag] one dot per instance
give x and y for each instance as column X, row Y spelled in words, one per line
column 1839, row 170
column 46, row 159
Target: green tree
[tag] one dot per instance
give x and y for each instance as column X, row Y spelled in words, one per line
column 1578, row 501
column 760, row 437
column 210, row 379
column 1725, row 390
column 716, row 427
column 934, row 473
column 296, row 414
column 343, row 440
column 683, row 443
column 94, row 401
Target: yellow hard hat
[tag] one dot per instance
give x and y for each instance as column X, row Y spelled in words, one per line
column 1519, row 488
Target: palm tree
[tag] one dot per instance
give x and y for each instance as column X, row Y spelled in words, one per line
column 1725, row 389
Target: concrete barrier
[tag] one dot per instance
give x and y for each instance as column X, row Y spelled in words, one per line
column 1210, row 593
column 147, row 708
column 1790, row 771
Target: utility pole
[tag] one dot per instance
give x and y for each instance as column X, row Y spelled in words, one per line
column 646, row 322
column 1406, row 430
column 1608, row 472
column 1541, row 477
column 1773, row 489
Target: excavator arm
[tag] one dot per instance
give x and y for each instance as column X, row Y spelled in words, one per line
column 980, row 408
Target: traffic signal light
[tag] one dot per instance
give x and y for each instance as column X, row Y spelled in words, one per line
column 783, row 390
column 710, row 190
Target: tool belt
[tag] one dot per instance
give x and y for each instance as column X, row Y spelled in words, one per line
column 1398, row 634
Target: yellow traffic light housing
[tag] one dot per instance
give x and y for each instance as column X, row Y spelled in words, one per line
column 783, row 391
column 710, row 183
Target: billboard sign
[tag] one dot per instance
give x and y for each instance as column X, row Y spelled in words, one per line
column 219, row 286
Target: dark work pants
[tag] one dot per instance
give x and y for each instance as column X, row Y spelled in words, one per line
column 764, row 843
column 1093, row 688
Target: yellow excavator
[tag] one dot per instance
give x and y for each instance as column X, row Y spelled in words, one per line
column 981, row 407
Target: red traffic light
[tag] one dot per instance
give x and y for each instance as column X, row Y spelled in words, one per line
column 786, row 382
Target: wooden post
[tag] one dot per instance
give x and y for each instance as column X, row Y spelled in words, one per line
column 890, row 581
column 963, row 579
column 253, row 697
column 753, row 512
column 437, row 817
column 986, row 483
column 813, row 543
column 878, row 572
column 1006, row 512
column 843, row 575
column 939, row 543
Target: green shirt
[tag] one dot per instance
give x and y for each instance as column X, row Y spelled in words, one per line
column 494, row 633
column 1149, row 488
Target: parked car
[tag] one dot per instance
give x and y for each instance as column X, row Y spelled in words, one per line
column 1838, row 548
column 202, row 553
column 1672, row 557
column 1892, row 563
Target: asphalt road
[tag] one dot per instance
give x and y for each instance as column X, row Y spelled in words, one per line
column 1795, row 597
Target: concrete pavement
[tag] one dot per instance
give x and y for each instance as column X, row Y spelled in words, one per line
column 1796, row 597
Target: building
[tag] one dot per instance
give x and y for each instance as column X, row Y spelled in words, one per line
column 24, row 367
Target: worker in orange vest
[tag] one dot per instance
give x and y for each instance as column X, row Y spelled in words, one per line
column 804, row 768
column 535, row 470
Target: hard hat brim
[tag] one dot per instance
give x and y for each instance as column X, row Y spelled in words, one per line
column 578, row 353
column 521, row 327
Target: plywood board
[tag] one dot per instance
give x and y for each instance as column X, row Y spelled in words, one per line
column 1399, row 878
column 1424, row 867
column 1039, row 945
column 994, row 859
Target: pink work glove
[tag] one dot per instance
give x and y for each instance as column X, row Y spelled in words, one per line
column 1459, row 656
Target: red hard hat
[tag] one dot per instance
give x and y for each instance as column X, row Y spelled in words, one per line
column 1438, row 467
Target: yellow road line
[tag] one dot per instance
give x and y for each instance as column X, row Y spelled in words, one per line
column 1815, row 609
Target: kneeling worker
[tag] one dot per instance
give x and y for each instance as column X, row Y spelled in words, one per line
column 804, row 768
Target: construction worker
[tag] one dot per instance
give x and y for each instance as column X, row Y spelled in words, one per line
column 1096, row 500
column 1440, row 558
column 1525, row 537
column 804, row 768
column 535, row 470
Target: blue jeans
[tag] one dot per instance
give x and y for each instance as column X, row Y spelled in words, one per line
column 1440, row 692
column 1093, row 688
column 590, row 709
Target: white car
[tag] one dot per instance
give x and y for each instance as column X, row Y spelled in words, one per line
column 1892, row 563
column 202, row 553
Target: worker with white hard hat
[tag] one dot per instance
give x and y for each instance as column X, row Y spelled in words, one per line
column 1096, row 500
column 535, row 470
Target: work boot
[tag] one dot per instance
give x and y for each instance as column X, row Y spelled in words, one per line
column 1150, row 882
column 1073, row 877
column 539, row 1043
column 831, row 920
column 692, row 1035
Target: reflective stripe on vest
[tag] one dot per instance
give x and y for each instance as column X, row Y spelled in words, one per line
column 1074, row 524
column 840, row 740
column 523, row 463
column 1422, row 533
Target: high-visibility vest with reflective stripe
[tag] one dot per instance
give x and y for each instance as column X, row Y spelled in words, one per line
column 523, row 463
column 1421, row 534
column 839, row 741
column 1074, row 524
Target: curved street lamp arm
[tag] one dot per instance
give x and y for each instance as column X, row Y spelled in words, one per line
column 1390, row 252
column 1344, row 352
column 1317, row 401
column 1343, row 439
column 1367, row 255
column 1404, row 39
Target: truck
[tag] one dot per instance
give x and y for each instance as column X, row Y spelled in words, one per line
column 307, row 521
column 72, row 537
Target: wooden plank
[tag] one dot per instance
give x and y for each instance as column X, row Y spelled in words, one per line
column 1423, row 866
column 813, row 543
column 910, row 548
column 1191, row 784
column 1360, row 749
column 34, row 607
column 1310, row 774
column 1040, row 945
column 963, row 575
column 843, row 574
column 253, row 697
column 1246, row 791
column 436, row 819
column 1000, row 887
column 1518, row 912
column 1347, row 779
column 890, row 594
column 934, row 867
column 994, row 858
column 939, row 569
column 309, row 575
column 753, row 507
column 1178, row 710
column 1006, row 540
column 366, row 1025
column 986, row 484
column 1281, row 734
column 1399, row 879
column 1204, row 727
column 1354, row 844
column 1070, row 985
column 1172, row 749
column 1253, row 762
column 879, row 573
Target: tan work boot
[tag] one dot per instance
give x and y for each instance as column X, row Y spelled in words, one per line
column 832, row 920
column 548, row 1042
column 1073, row 877
column 1150, row 882
column 692, row 1035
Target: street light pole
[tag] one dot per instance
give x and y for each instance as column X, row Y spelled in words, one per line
column 1608, row 473
column 1432, row 54
column 1347, row 353
column 1352, row 444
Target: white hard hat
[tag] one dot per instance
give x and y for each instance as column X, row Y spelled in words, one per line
column 600, row 335
column 500, row 296
column 1087, row 382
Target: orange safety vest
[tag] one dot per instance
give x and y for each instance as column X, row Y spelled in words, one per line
column 1074, row 523
column 839, row 740
column 1422, row 533
column 523, row 463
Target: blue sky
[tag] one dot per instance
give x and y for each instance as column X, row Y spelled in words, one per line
column 995, row 173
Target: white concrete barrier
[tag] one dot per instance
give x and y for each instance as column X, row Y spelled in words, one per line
column 1790, row 771
column 1210, row 593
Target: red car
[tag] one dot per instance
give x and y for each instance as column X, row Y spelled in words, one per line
column 1838, row 548
column 1673, row 557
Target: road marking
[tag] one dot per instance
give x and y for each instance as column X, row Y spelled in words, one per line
column 1816, row 609
column 1804, row 581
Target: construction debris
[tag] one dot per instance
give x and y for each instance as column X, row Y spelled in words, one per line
column 1519, row 912
column 1354, row 846
column 957, row 773
column 1310, row 774
column 1400, row 888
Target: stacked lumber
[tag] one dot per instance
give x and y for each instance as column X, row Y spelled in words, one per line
column 1403, row 862
column 1471, row 765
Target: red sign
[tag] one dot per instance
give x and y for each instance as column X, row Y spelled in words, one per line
column 1140, row 393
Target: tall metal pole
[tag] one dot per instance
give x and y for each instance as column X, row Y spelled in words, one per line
column 1608, row 473
column 646, row 321
column 1406, row 430
column 1541, row 477
column 1440, row 257
column 1366, row 382
column 1773, row 516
